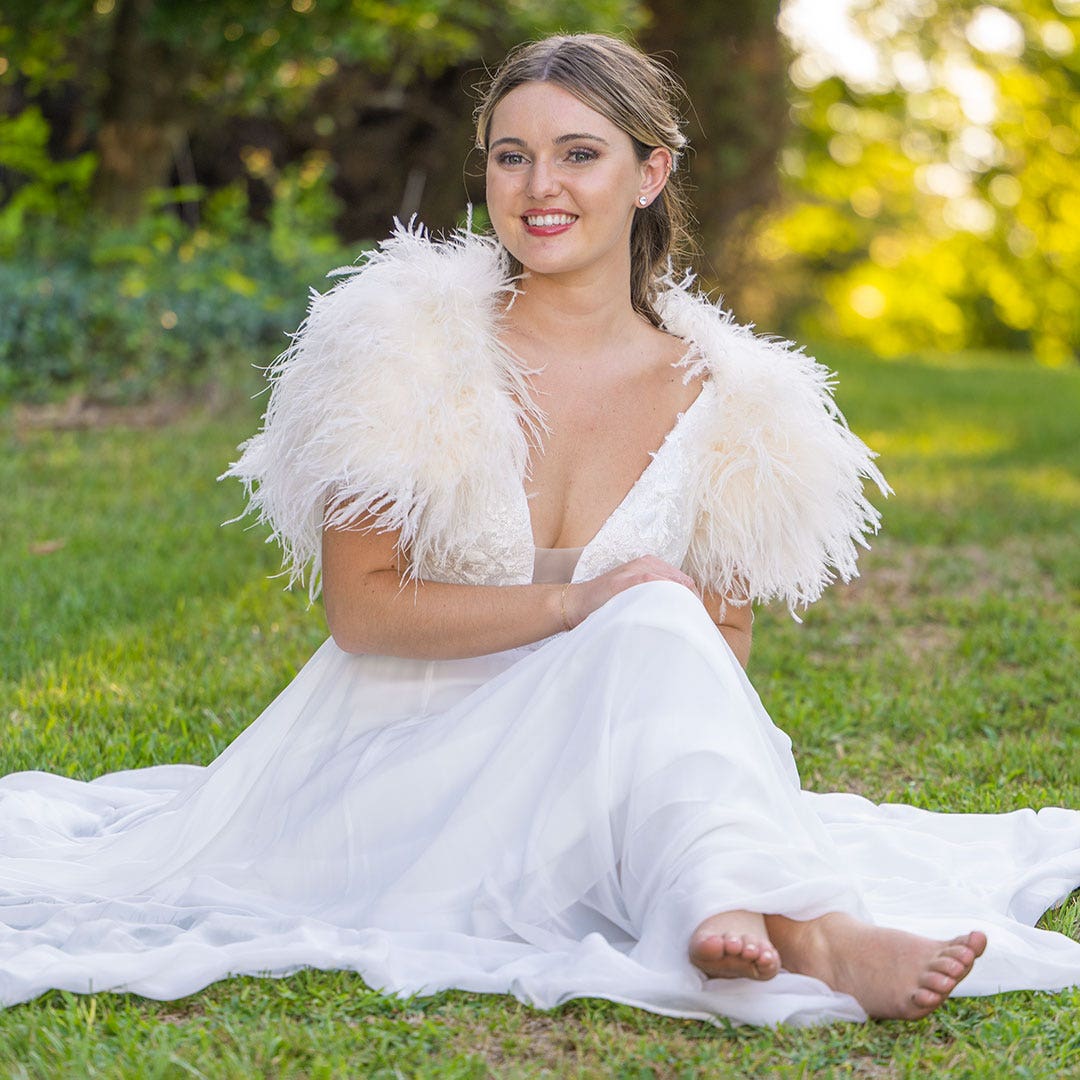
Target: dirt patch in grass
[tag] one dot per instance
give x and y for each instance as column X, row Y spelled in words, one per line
column 898, row 601
column 926, row 641
column 82, row 413
column 869, row 1069
column 548, row 1042
column 896, row 574
column 174, row 1017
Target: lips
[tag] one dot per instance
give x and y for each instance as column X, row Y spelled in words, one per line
column 547, row 222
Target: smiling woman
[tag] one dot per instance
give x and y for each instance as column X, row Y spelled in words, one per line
column 623, row 105
column 547, row 182
column 540, row 768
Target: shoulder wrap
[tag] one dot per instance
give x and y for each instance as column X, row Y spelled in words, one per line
column 397, row 403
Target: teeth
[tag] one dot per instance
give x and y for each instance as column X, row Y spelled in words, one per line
column 539, row 220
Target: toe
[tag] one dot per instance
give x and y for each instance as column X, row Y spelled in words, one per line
column 727, row 954
column 975, row 942
column 733, row 945
column 707, row 948
column 768, row 964
column 937, row 982
column 925, row 1000
column 962, row 955
column 951, row 966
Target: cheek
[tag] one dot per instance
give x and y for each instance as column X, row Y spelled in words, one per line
column 496, row 196
column 611, row 189
column 498, row 193
column 499, row 183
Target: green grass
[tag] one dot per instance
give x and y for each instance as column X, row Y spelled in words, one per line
column 134, row 630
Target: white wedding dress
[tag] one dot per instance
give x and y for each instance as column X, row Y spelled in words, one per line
column 549, row 821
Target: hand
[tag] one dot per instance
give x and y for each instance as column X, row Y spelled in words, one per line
column 583, row 598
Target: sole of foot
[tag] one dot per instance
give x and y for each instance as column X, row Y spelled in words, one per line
column 734, row 946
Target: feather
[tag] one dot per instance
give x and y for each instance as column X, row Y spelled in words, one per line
column 779, row 476
column 397, row 400
column 394, row 399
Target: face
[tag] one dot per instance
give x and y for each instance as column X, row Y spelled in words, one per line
column 564, row 183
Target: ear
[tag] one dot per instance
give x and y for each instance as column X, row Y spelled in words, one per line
column 655, row 170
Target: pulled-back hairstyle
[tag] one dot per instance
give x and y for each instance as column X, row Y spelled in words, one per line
column 640, row 96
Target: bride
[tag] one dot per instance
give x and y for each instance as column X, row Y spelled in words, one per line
column 539, row 481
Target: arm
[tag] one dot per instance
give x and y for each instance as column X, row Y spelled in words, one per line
column 735, row 623
column 370, row 609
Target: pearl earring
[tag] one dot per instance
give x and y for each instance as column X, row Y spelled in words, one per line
column 643, row 200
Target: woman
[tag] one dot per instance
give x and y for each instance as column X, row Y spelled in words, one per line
column 541, row 483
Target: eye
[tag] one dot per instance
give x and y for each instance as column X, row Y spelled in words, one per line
column 510, row 157
column 582, row 154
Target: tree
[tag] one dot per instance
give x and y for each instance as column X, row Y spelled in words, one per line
column 150, row 73
column 196, row 93
column 935, row 188
column 734, row 65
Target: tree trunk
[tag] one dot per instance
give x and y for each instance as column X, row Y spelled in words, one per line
column 398, row 150
column 732, row 61
column 142, row 121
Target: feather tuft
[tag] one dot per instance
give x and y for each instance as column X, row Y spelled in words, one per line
column 395, row 399
column 778, row 474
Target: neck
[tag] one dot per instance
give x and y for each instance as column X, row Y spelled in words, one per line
column 574, row 308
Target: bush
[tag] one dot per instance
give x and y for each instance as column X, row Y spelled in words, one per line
column 123, row 314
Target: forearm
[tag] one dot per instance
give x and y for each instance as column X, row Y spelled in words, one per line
column 739, row 640
column 379, row 613
column 734, row 620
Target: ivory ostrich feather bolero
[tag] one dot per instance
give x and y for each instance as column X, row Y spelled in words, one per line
column 396, row 398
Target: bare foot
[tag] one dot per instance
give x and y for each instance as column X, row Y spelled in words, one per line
column 892, row 974
column 734, row 945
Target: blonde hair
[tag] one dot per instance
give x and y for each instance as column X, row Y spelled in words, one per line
column 640, row 96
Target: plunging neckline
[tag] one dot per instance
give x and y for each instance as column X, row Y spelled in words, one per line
column 654, row 455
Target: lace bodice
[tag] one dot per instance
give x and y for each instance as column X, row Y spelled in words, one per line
column 656, row 517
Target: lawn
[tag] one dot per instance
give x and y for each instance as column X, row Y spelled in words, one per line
column 135, row 630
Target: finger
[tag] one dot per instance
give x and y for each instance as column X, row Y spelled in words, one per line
column 689, row 582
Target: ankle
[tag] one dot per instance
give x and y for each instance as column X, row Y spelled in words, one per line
column 803, row 944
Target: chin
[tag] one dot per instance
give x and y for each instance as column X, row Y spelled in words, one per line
column 551, row 260
column 540, row 263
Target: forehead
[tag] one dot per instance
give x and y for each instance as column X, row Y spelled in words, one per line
column 541, row 111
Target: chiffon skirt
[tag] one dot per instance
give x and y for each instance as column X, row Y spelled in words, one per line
column 550, row 822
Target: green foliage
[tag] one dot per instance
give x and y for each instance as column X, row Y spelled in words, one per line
column 936, row 202
column 118, row 312
column 257, row 55
column 134, row 630
column 124, row 313
column 33, row 186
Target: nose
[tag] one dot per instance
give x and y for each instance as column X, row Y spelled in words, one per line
column 543, row 180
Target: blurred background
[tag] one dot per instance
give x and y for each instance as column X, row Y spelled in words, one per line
column 900, row 175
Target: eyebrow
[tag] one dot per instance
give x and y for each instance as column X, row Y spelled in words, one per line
column 573, row 136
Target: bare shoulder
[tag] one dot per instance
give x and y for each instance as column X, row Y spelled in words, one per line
column 665, row 373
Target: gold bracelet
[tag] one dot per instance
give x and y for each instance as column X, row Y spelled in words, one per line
column 562, row 606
